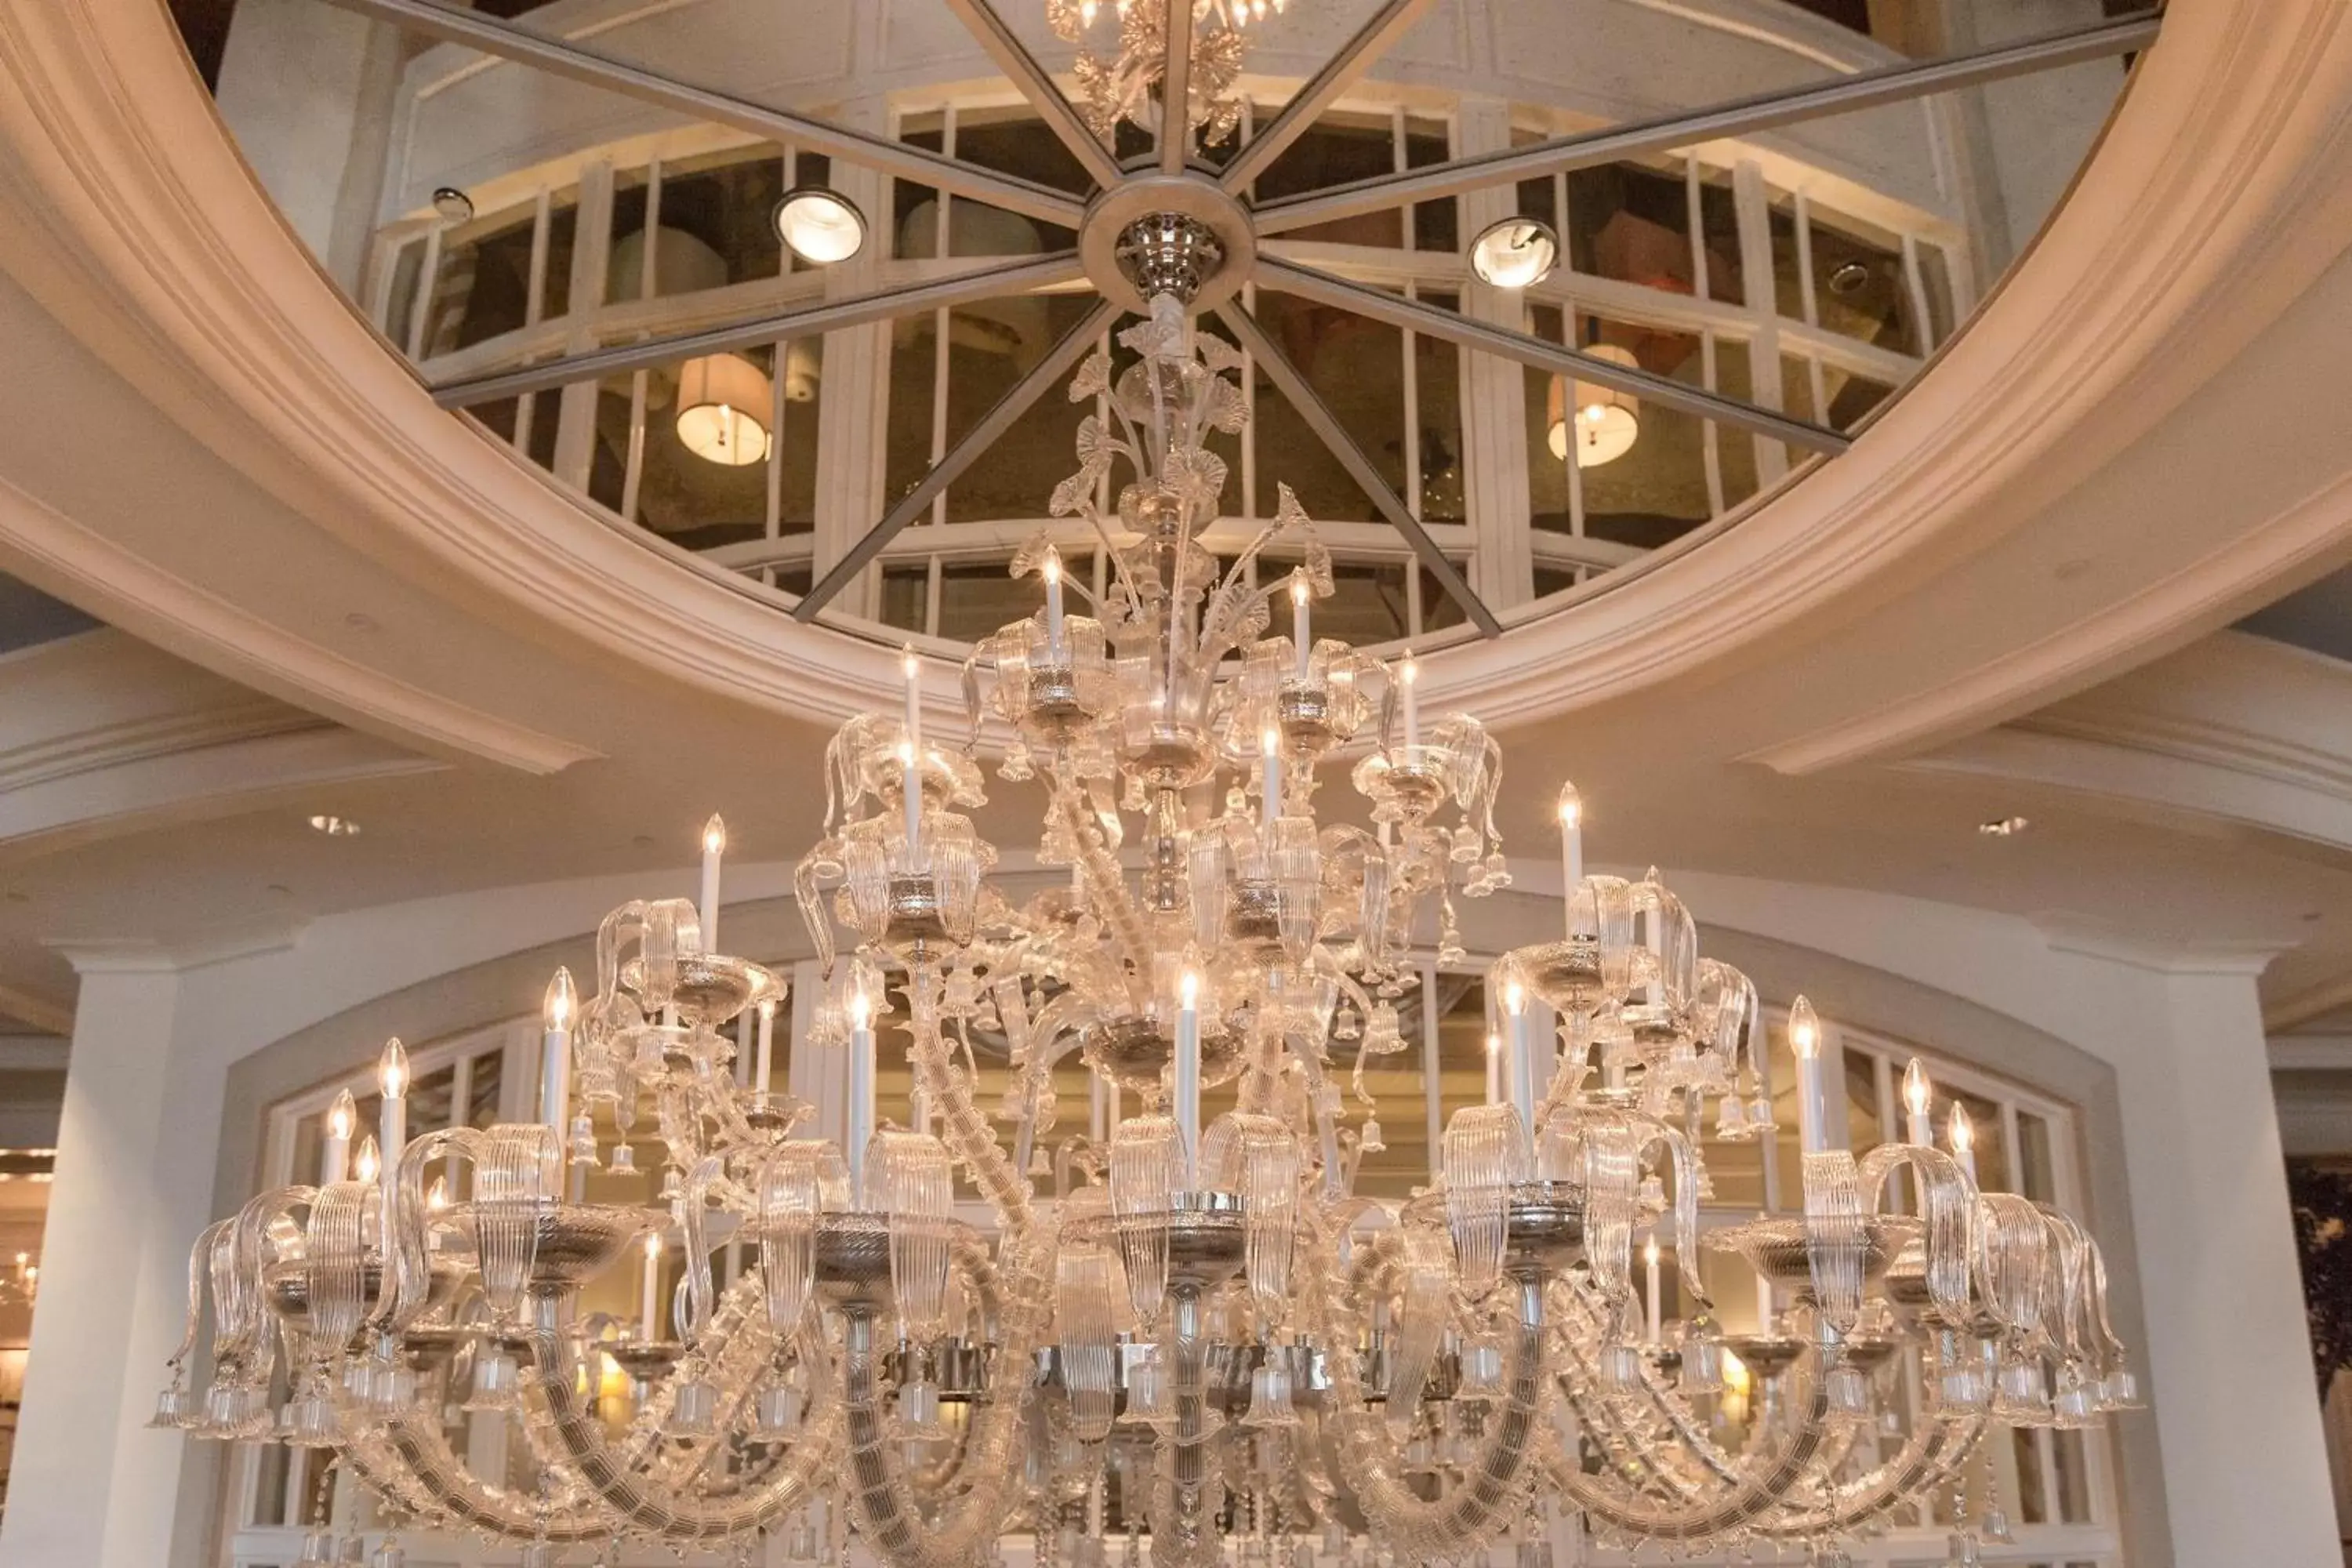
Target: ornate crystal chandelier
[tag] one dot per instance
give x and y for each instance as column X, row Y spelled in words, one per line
column 1207, row 1320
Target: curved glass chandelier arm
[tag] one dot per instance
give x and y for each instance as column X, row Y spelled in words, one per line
column 965, row 1133
column 407, row 1277
column 1761, row 1490
column 1106, row 888
column 893, row 1523
column 199, row 1266
column 635, row 1500
column 1495, row 1478
column 1581, row 1320
column 1950, row 1207
column 1933, row 1454
column 241, row 1341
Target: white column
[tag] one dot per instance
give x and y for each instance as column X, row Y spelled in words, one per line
column 2228, row 1359
column 1494, row 393
column 137, row 1145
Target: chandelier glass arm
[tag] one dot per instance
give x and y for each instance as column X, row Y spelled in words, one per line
column 641, row 1501
column 970, row 1141
column 1933, row 1454
column 1760, row 1492
column 889, row 1517
column 1495, row 1479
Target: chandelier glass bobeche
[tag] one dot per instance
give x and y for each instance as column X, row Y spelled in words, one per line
column 1206, row 1341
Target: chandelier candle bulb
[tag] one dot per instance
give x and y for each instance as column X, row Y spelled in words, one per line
column 767, row 1047
column 1649, row 1262
column 392, row 1125
column 1571, row 852
column 1188, row 1074
column 1523, row 1057
column 861, row 1093
column 1805, row 1044
column 1270, row 787
column 557, row 1011
column 647, row 1327
column 714, row 848
column 1964, row 1139
column 1302, row 640
column 1054, row 606
column 335, row 1155
column 368, row 1165
column 1918, row 1097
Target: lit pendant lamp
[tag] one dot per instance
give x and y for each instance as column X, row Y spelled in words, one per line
column 1607, row 422
column 722, row 403
column 820, row 225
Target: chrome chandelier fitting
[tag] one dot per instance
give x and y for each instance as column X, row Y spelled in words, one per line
column 1205, row 1321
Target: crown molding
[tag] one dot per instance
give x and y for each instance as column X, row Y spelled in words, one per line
column 154, row 244
column 2236, row 728
column 62, row 556
column 2158, row 619
column 141, row 955
column 2088, row 937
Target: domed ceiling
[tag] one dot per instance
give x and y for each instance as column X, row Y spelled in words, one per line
column 1763, row 221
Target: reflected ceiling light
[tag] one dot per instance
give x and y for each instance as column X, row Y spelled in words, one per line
column 1607, row 422
column 722, row 403
column 1516, row 253
column 335, row 826
column 2002, row 826
column 820, row 223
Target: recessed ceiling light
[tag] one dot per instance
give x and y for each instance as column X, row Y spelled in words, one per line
column 1849, row 278
column 454, row 205
column 336, row 826
column 1516, row 253
column 820, row 223
column 2002, row 826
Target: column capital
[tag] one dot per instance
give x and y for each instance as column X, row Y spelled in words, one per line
column 147, row 955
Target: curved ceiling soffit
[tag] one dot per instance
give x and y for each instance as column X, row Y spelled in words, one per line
column 2236, row 728
column 102, row 735
column 2193, row 224
column 188, row 620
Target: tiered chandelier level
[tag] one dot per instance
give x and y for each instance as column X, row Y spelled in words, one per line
column 1206, row 1325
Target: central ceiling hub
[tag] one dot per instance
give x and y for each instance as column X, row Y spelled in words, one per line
column 1169, row 253
column 1168, row 234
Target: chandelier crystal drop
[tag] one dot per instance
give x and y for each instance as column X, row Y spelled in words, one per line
column 1205, row 1339
column 1122, row 84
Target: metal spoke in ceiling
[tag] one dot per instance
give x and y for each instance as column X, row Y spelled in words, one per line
column 1171, row 173
column 1058, row 361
